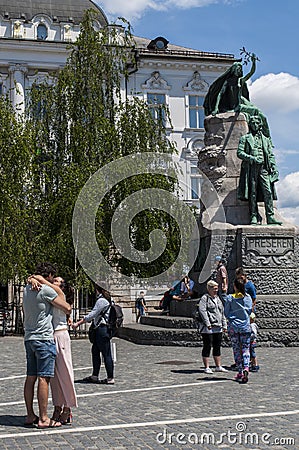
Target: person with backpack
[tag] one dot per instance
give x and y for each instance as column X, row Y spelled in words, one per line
column 103, row 334
column 140, row 306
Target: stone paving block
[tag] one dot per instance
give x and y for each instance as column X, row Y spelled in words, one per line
column 154, row 386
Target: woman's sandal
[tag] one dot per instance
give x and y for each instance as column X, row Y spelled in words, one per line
column 66, row 418
column 56, row 414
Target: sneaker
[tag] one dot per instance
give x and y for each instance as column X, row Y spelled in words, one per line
column 107, row 381
column 238, row 377
column 245, row 376
column 220, row 369
column 255, row 369
column 208, row 370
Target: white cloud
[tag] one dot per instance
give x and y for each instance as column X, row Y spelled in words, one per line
column 288, row 197
column 291, row 215
column 277, row 95
column 276, row 91
column 133, row 9
column 288, row 191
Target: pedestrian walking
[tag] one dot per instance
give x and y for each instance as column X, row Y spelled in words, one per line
column 102, row 344
column 140, row 306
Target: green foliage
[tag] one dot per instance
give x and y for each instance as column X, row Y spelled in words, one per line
column 80, row 124
column 15, row 160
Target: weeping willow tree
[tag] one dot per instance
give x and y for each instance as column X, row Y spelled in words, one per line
column 82, row 123
column 15, row 169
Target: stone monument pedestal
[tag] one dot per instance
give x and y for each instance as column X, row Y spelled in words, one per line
column 268, row 253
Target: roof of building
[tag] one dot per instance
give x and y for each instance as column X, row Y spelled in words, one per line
column 142, row 44
column 58, row 10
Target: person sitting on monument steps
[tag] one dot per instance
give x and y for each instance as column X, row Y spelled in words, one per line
column 172, row 294
column 258, row 172
column 187, row 286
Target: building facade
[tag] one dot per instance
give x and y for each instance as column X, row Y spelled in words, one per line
column 34, row 41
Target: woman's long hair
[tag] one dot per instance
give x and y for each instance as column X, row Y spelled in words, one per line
column 106, row 294
column 68, row 291
column 239, row 284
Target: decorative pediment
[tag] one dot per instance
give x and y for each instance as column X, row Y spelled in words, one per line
column 41, row 78
column 156, row 82
column 196, row 83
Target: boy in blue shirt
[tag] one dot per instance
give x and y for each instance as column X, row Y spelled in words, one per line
column 249, row 286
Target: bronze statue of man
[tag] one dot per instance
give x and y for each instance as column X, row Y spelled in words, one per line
column 258, row 172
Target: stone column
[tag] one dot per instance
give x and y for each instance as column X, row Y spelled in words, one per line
column 17, row 84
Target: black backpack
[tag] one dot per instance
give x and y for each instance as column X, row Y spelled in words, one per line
column 116, row 318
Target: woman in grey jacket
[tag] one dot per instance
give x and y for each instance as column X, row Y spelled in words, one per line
column 213, row 323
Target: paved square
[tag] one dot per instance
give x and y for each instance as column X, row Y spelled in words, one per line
column 161, row 399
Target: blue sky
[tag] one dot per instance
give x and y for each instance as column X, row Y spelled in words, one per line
column 266, row 27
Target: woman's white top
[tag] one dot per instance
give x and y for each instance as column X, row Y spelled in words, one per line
column 59, row 320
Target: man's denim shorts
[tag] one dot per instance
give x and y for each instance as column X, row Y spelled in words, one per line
column 40, row 358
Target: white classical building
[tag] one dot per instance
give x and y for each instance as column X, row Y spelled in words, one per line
column 34, row 38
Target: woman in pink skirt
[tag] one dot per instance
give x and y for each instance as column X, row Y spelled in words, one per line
column 62, row 385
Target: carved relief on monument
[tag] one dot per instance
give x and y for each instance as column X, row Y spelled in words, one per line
column 211, row 161
column 268, row 251
column 280, row 281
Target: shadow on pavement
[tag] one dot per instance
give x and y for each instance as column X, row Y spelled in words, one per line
column 12, row 421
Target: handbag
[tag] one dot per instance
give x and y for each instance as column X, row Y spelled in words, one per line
column 92, row 333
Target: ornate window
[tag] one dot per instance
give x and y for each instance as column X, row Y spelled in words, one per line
column 18, row 30
column 156, row 95
column 196, row 111
column 195, row 90
column 156, row 103
column 67, row 32
column 4, row 79
column 42, row 32
column 195, row 183
column 160, row 43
